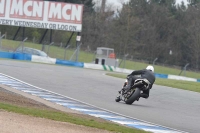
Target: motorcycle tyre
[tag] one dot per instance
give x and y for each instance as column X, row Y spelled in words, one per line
column 134, row 96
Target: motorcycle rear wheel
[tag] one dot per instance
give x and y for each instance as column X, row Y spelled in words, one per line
column 134, row 96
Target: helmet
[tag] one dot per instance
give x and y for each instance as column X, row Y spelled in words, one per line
column 151, row 68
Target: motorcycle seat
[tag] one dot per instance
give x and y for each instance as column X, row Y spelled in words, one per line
column 144, row 82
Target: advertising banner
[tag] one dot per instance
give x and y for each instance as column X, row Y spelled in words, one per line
column 41, row 14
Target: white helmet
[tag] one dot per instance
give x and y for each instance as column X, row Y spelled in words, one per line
column 151, row 68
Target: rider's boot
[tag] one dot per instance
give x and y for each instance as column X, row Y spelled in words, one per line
column 117, row 99
column 144, row 95
column 128, row 86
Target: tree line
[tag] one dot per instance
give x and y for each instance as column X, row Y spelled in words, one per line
column 141, row 29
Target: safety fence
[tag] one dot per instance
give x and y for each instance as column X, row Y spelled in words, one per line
column 48, row 60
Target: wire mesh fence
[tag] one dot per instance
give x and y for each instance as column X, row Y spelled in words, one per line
column 53, row 49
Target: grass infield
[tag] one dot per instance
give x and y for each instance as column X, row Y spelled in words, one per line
column 65, row 117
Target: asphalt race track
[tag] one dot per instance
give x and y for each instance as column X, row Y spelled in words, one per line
column 174, row 108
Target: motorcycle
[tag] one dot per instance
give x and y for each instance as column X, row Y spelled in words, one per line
column 133, row 94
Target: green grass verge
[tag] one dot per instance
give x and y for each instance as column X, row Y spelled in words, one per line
column 185, row 85
column 64, row 117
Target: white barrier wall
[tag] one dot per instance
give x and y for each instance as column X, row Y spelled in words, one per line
column 43, row 59
column 181, row 78
column 107, row 68
column 93, row 66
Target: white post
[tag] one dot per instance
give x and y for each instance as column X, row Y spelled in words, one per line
column 1, row 39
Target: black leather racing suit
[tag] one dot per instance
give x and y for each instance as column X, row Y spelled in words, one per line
column 143, row 74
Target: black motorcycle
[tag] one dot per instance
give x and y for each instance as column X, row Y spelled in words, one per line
column 133, row 94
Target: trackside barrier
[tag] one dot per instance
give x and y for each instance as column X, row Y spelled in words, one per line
column 22, row 56
column 106, row 68
column 165, row 76
column 6, row 55
column 99, row 67
column 18, row 56
column 182, row 78
column 93, row 66
column 47, row 60
column 33, row 58
column 69, row 63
